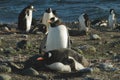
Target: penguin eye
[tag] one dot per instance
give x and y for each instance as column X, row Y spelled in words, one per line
column 49, row 55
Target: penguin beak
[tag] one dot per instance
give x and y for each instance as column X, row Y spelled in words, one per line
column 40, row 58
column 49, row 21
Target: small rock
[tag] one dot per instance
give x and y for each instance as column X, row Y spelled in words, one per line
column 6, row 29
column 5, row 77
column 30, row 72
column 99, row 43
column 95, row 37
column 110, row 52
column 88, row 48
column 77, row 50
column 23, row 44
column 96, row 70
column 107, row 42
column 44, row 76
column 15, row 68
column 8, row 51
column 117, row 57
column 86, row 70
column 24, row 36
column 90, row 78
column 1, row 49
column 39, row 32
column 4, row 68
column 107, row 67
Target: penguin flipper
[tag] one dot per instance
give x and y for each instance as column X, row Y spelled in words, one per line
column 69, row 41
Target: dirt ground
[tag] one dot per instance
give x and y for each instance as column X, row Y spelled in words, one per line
column 106, row 49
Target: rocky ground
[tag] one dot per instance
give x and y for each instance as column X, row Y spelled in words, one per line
column 100, row 46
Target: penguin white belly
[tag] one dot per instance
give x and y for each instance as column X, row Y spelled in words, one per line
column 28, row 21
column 57, row 66
column 57, row 38
column 82, row 24
column 111, row 21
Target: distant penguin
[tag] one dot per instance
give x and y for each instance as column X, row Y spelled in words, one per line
column 63, row 60
column 58, row 36
column 25, row 19
column 112, row 19
column 84, row 22
column 49, row 13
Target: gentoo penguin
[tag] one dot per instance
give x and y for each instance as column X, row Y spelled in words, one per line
column 63, row 60
column 58, row 36
column 112, row 19
column 25, row 19
column 84, row 22
column 49, row 13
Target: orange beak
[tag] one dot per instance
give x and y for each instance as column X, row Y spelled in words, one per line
column 49, row 21
column 40, row 59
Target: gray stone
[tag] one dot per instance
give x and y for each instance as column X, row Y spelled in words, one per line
column 4, row 68
column 77, row 50
column 30, row 72
column 5, row 77
column 95, row 37
column 6, row 29
column 9, row 50
column 107, row 67
column 88, row 48
column 24, row 36
column 23, row 44
column 96, row 70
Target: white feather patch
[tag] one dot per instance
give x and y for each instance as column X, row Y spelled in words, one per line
column 82, row 23
column 78, row 66
column 59, row 67
column 29, row 21
column 57, row 38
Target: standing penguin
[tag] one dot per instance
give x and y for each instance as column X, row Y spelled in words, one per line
column 64, row 60
column 49, row 13
column 112, row 19
column 25, row 19
column 84, row 22
column 58, row 36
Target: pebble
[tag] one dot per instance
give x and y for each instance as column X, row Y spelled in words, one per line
column 24, row 36
column 86, row 70
column 4, row 68
column 111, row 52
column 5, row 77
column 96, row 70
column 6, row 29
column 23, row 44
column 95, row 37
column 107, row 67
column 39, row 32
column 30, row 72
column 77, row 50
column 88, row 48
column 117, row 58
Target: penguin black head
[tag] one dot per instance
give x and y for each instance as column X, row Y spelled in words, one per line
column 46, row 56
column 54, row 21
column 112, row 11
column 85, row 16
column 49, row 10
column 30, row 7
column 87, row 21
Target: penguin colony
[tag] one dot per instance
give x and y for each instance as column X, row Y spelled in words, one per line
column 56, row 44
column 25, row 19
